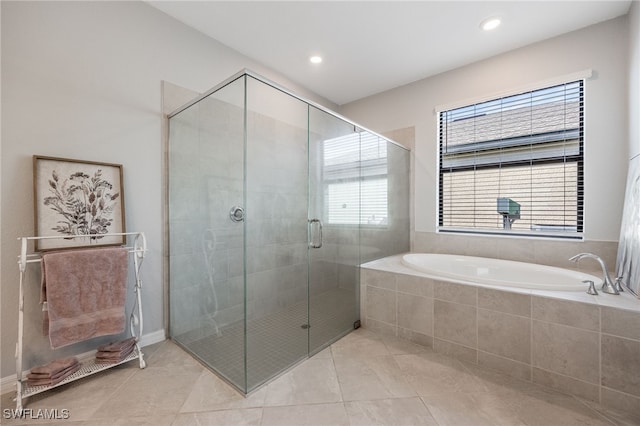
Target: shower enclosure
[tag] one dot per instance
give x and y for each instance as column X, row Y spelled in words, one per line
column 274, row 202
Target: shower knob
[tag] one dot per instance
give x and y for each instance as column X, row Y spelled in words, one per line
column 236, row 214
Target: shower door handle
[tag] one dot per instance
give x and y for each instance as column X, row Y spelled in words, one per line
column 311, row 242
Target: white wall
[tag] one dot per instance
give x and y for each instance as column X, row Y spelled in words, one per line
column 634, row 79
column 600, row 47
column 83, row 80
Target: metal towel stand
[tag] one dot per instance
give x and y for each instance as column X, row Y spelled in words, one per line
column 137, row 249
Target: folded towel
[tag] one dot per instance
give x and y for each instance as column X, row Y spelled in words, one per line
column 85, row 292
column 113, row 357
column 55, row 367
column 118, row 346
column 63, row 373
column 53, row 381
column 121, row 354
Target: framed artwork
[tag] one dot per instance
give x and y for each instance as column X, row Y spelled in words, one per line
column 83, row 199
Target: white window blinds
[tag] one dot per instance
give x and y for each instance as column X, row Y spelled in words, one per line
column 355, row 178
column 527, row 147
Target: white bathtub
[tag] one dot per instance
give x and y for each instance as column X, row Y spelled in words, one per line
column 495, row 272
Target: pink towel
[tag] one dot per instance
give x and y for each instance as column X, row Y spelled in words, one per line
column 50, row 381
column 85, row 292
column 116, row 351
column 54, row 368
column 118, row 346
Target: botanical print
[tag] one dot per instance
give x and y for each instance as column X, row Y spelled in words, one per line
column 77, row 198
column 85, row 204
column 628, row 262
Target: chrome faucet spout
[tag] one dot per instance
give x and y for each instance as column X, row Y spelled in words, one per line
column 607, row 285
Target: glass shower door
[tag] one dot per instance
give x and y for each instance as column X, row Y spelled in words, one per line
column 276, row 232
column 334, row 214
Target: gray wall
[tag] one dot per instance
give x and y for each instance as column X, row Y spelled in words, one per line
column 602, row 48
column 83, row 80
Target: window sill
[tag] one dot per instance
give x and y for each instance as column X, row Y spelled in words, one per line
column 514, row 233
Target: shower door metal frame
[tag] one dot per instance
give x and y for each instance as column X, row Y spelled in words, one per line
column 242, row 215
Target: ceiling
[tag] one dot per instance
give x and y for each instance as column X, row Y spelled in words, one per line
column 372, row 46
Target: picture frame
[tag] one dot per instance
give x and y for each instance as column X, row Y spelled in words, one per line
column 73, row 198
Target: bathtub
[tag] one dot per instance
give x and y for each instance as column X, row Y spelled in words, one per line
column 496, row 272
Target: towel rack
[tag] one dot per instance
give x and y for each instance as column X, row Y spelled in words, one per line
column 137, row 249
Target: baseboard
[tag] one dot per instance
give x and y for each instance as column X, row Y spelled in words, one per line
column 8, row 384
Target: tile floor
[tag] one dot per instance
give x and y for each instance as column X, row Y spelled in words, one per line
column 363, row 379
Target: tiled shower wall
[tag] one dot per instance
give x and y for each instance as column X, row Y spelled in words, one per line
column 205, row 164
column 541, row 251
column 584, row 349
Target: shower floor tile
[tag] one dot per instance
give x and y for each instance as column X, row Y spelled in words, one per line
column 276, row 341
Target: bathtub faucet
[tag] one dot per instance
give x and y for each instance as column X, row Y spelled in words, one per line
column 607, row 285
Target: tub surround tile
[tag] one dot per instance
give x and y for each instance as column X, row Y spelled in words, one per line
column 418, row 286
column 621, row 364
column 580, row 315
column 506, row 335
column 415, row 313
column 588, row 391
column 381, row 305
column 457, row 293
column 588, row 346
column 380, row 327
column 542, row 251
column 619, row 322
column 566, row 350
column 379, row 279
column 503, row 301
column 455, row 322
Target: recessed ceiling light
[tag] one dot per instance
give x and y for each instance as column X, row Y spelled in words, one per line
column 490, row 24
column 315, row 59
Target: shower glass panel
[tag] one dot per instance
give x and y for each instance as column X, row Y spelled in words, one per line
column 276, row 231
column 385, row 199
column 206, row 261
column 273, row 205
column 334, row 179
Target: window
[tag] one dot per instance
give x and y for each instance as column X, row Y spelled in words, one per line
column 355, row 179
column 527, row 148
